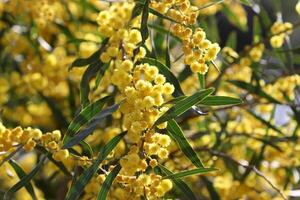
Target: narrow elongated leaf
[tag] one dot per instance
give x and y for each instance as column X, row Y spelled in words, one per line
column 167, row 73
column 24, row 180
column 210, row 188
column 220, row 101
column 93, row 58
column 78, row 187
column 186, row 191
column 21, row 173
column 58, row 164
column 168, row 59
column 246, row 2
column 137, row 10
column 210, row 4
column 86, row 149
column 233, row 19
column 11, row 155
column 60, row 119
column 86, row 115
column 100, row 75
column 91, row 127
column 158, row 14
column 201, row 78
column 190, row 173
column 144, row 22
column 253, row 90
column 108, row 182
column 184, row 105
column 265, row 122
column 177, row 134
column 89, row 73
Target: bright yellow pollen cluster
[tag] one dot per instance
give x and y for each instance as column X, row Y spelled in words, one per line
column 197, row 49
column 280, row 31
column 143, row 91
column 298, row 7
column 10, row 139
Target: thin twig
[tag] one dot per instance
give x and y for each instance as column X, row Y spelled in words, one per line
column 251, row 167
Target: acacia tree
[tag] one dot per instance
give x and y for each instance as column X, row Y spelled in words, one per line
column 134, row 100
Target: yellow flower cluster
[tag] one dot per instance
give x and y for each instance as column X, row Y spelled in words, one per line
column 198, row 50
column 29, row 138
column 114, row 23
column 143, row 91
column 42, row 11
column 4, row 88
column 298, row 7
column 153, row 186
column 280, row 30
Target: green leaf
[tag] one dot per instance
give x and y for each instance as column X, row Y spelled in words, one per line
column 180, row 107
column 232, row 18
column 187, row 192
column 108, row 182
column 253, row 90
column 220, row 101
column 92, row 59
column 265, row 122
column 167, row 73
column 86, row 149
column 89, row 73
column 162, row 30
column 246, row 2
column 21, row 173
column 100, row 75
column 190, row 173
column 11, row 155
column 86, row 115
column 58, row 164
column 137, row 10
column 60, row 119
column 232, row 40
column 210, row 4
column 144, row 22
column 177, row 134
column 201, row 78
column 78, row 187
column 158, row 14
column 24, row 180
column 90, row 128
column 168, row 60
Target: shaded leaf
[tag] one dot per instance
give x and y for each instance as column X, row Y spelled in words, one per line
column 58, row 164
column 89, row 73
column 57, row 112
column 191, row 172
column 24, row 180
column 11, row 155
column 86, row 115
column 246, row 2
column 253, row 90
column 177, row 134
column 78, row 187
column 144, row 22
column 265, row 122
column 201, row 78
column 80, row 62
column 21, row 173
column 90, row 128
column 108, row 182
column 220, row 101
column 186, row 191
